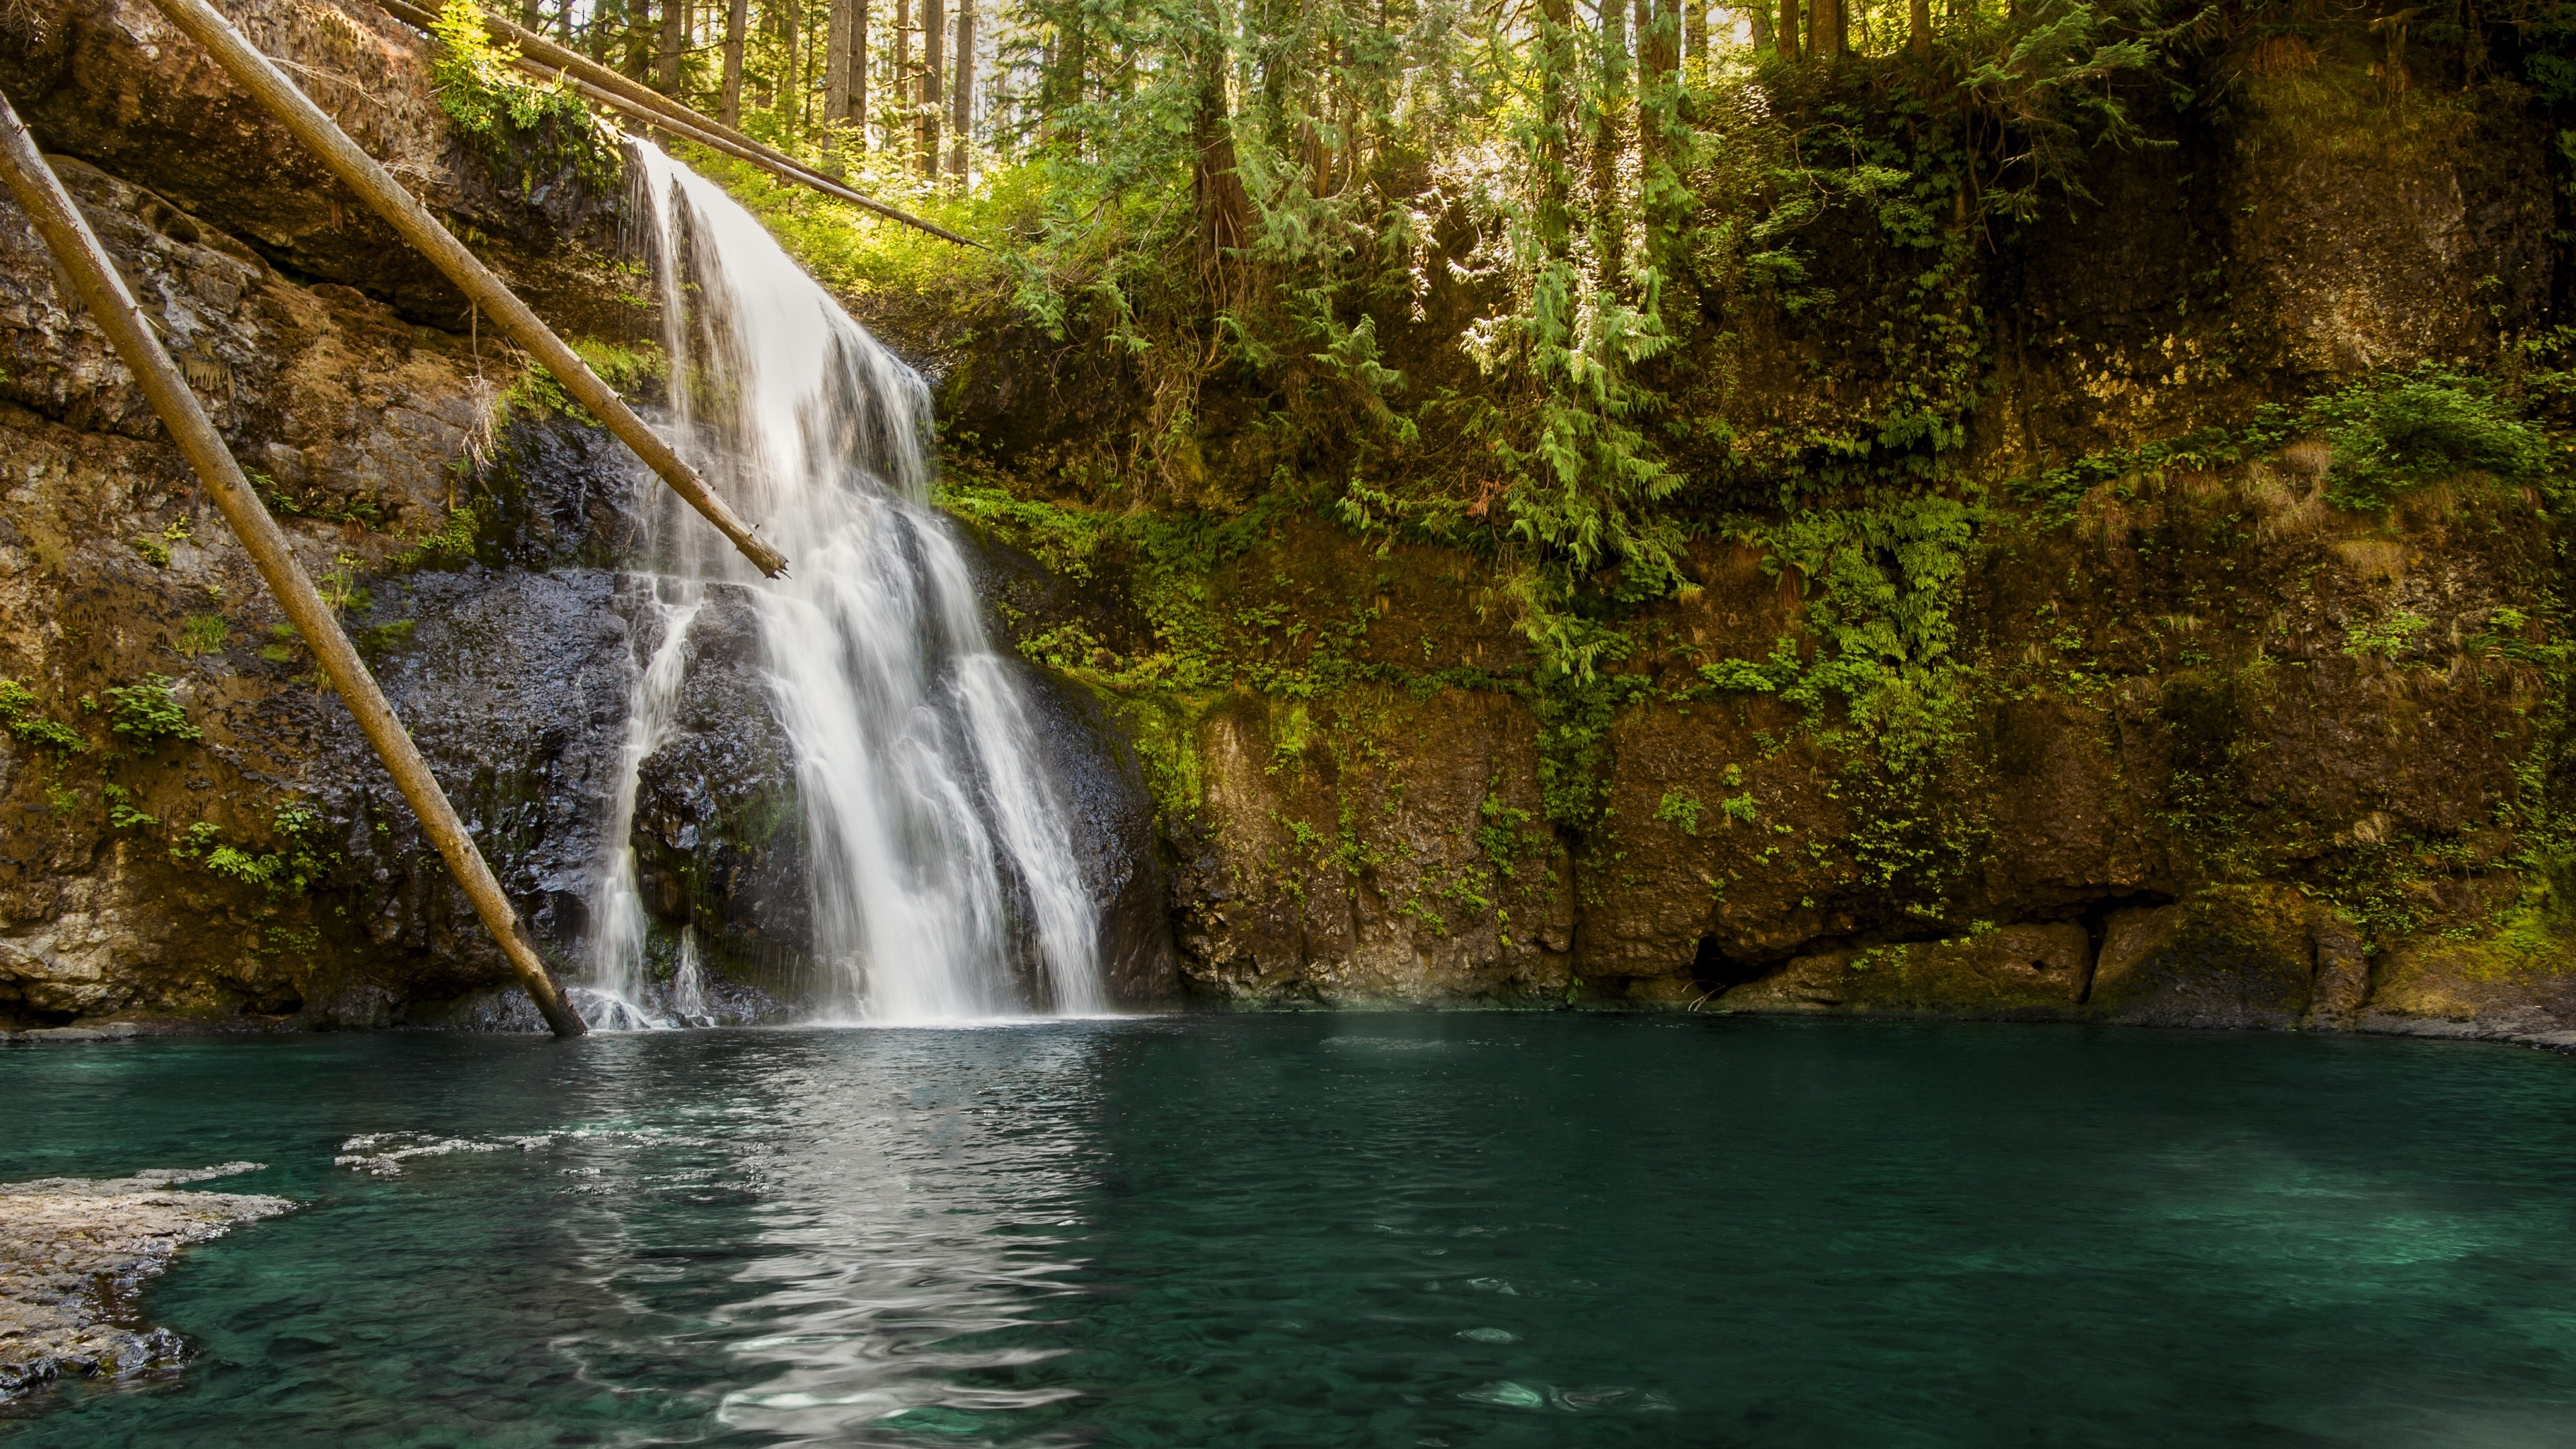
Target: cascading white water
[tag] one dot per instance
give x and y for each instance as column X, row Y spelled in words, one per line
column 938, row 848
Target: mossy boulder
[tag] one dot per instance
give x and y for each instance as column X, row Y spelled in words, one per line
column 2230, row 956
column 2517, row 981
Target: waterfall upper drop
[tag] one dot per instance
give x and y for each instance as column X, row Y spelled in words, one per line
column 939, row 852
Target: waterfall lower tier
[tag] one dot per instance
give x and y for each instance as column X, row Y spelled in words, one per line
column 939, row 864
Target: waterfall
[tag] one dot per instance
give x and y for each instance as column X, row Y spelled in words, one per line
column 938, row 850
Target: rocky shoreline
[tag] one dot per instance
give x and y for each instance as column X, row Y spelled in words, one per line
column 73, row 1252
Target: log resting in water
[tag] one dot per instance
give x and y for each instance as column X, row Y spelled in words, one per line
column 257, row 74
column 600, row 86
column 67, row 235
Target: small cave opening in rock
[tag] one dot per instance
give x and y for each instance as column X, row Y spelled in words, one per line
column 1714, row 972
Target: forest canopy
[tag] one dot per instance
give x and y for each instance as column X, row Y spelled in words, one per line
column 1482, row 271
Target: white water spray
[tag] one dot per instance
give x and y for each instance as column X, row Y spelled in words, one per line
column 938, row 849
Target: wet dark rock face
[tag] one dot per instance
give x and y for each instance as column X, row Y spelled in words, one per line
column 1102, row 788
column 720, row 839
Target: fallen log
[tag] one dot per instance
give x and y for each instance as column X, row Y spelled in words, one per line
column 268, row 85
column 93, row 275
column 600, row 86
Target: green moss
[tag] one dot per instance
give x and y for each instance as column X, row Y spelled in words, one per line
column 2527, row 940
column 204, row 634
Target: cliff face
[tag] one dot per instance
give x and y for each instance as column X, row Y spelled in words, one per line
column 264, row 869
column 2206, row 747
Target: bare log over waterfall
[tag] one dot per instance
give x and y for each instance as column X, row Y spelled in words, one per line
column 257, row 74
column 600, row 86
column 67, row 235
column 714, row 141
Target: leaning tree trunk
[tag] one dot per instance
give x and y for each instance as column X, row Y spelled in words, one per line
column 305, row 121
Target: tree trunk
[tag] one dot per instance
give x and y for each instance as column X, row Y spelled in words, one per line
column 737, row 15
column 1825, row 29
column 961, row 96
column 859, row 70
column 1919, row 27
column 1560, row 54
column 836, row 64
column 675, row 43
column 1224, row 207
column 1613, row 61
column 791, row 81
column 1788, row 29
column 902, row 92
column 1659, row 58
column 934, row 57
column 1760, row 15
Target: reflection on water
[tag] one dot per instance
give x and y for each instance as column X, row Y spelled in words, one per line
column 909, row 1225
column 1407, row 1230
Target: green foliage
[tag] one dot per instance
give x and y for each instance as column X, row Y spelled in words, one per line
column 295, row 861
column 377, row 640
column 122, row 813
column 1679, row 811
column 2393, row 432
column 536, row 393
column 2386, row 639
column 146, row 714
column 22, row 714
column 452, row 542
column 1742, row 676
column 510, row 116
column 1887, row 615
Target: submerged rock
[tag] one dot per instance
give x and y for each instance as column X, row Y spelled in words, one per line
column 73, row 1253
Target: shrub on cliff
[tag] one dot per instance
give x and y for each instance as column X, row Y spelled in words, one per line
column 2392, row 433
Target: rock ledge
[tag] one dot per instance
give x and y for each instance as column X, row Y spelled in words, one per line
column 73, row 1252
